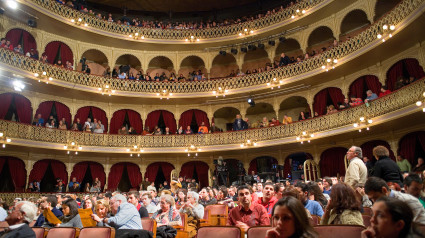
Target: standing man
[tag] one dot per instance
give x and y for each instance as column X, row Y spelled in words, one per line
column 239, row 124
column 22, row 214
column 356, row 174
column 385, row 167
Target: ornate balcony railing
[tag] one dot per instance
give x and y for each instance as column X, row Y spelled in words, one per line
column 179, row 89
column 176, row 34
column 402, row 98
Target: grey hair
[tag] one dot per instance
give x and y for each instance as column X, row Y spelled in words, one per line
column 369, row 91
column 195, row 195
column 358, row 150
column 29, row 209
column 119, row 197
column 168, row 198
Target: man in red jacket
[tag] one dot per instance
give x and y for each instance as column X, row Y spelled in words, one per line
column 268, row 200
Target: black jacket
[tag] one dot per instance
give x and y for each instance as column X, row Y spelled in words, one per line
column 22, row 232
column 388, row 170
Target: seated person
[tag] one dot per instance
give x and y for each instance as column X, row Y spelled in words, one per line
column 286, row 120
column 188, row 131
column 147, row 202
column 345, row 104
column 274, row 122
column 205, row 198
column 20, row 216
column 48, row 202
column 70, row 217
column 355, row 101
column 203, row 128
column 102, row 210
column 312, row 206
column 194, row 211
column 167, row 215
column 384, row 91
column 370, row 96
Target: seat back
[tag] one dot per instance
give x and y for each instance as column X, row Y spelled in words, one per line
column 218, row 209
column 39, row 232
column 149, row 224
column 366, row 220
column 258, row 231
column 339, row 231
column 315, row 220
column 217, row 214
column 367, row 211
column 97, row 232
column 3, row 225
column 62, row 232
column 219, row 231
column 184, row 220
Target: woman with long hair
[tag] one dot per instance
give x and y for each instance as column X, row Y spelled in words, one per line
column 317, row 194
column 70, row 217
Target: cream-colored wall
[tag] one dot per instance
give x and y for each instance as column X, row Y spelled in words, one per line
column 293, row 112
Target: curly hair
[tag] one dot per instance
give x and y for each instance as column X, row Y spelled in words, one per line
column 343, row 198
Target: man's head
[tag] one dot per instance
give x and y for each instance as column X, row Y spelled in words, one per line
column 238, row 116
column 244, row 195
column 268, row 191
column 116, row 201
column 132, row 197
column 369, row 93
column 413, row 185
column 22, row 212
column 353, row 152
column 376, row 188
column 302, row 189
column 260, row 187
column 50, row 202
column 146, row 198
column 400, row 158
column 381, row 151
column 74, row 179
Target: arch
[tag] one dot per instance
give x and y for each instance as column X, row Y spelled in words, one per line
column 129, row 60
column 127, row 117
column 291, row 47
column 292, row 107
column 17, row 171
column 15, row 107
column 328, row 96
column 320, row 37
column 56, row 109
column 224, row 117
column 384, row 6
column 192, row 63
column 291, row 169
column 332, row 162
column 159, row 65
column 359, row 86
column 116, row 174
column 40, row 169
column 403, row 69
column 154, row 119
column 22, row 37
column 367, row 149
column 255, row 59
column 353, row 22
column 260, row 110
column 188, row 118
column 411, row 146
column 93, row 112
column 96, row 169
column 189, row 169
column 223, row 66
column 153, row 169
column 57, row 50
column 262, row 164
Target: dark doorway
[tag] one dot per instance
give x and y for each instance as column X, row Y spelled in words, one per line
column 125, row 184
column 160, row 177
column 232, row 167
column 297, row 164
column 6, row 181
column 48, row 181
column 87, row 179
column 419, row 152
column 194, row 125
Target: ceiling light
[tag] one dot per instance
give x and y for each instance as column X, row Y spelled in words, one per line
column 18, row 85
column 12, row 4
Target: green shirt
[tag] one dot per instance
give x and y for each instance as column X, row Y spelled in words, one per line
column 404, row 165
column 422, row 202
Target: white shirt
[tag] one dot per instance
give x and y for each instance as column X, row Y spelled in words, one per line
column 3, row 214
column 356, row 172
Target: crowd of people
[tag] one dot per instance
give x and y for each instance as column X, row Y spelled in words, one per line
column 396, row 200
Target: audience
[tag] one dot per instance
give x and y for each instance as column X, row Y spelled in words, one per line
column 70, row 217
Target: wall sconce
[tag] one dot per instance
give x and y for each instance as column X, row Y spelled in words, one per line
column 43, row 77
column 246, row 32
column 386, row 32
column 421, row 102
column 330, row 64
column 274, row 82
column 136, row 149
column 305, row 136
column 164, row 94
column 220, row 91
column 248, row 143
column 192, row 148
column 79, row 21
column 299, row 13
column 192, row 39
column 72, row 146
column 106, row 89
column 4, row 140
column 363, row 122
column 136, row 36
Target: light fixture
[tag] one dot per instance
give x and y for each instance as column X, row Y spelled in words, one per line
column 363, row 122
column 12, row 4
column 385, row 32
column 192, row 39
column 4, row 139
column 136, row 149
column 251, row 101
column 220, row 91
column 43, row 77
column 79, row 22
column 72, row 146
column 164, row 93
column 246, row 32
column 298, row 12
column 136, row 35
column 248, row 143
column 274, row 83
column 18, row 85
column 106, row 89
column 192, row 149
column 305, row 136
column 421, row 102
column 330, row 64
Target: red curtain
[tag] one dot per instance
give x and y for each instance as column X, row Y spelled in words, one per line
column 2, row 162
column 82, row 114
column 5, row 99
column 152, row 170
column 23, row 108
column 79, row 171
column 135, row 120
column 97, row 171
column 117, row 120
column 15, row 35
column 152, row 120
column 287, row 168
column 357, row 87
column 17, row 171
column 336, row 96
column 45, row 108
column 63, row 111
column 187, row 170
column 252, row 166
column 414, row 69
column 115, row 176
column 332, row 162
column 367, row 149
column 99, row 114
column 134, row 174
column 407, row 145
column 52, row 48
column 201, row 169
column 373, row 84
column 201, row 116
column 393, row 73
column 169, row 121
column 59, row 170
column 38, row 170
column 186, row 119
column 320, row 99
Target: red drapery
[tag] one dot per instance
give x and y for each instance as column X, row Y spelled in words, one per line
column 201, row 116
column 59, row 170
column 393, row 73
column 414, row 69
column 82, row 114
column 44, row 109
column 134, row 175
column 2, row 162
column 79, row 171
column 201, row 169
column 373, row 84
column 332, row 162
column 367, row 149
column 17, row 171
column 97, row 171
column 186, row 119
column 15, row 35
column 152, row 170
column 52, row 48
column 117, row 120
column 287, row 167
column 135, row 120
column 336, row 96
column 252, row 166
column 23, row 108
column 152, row 119
column 322, row 97
column 407, row 145
column 357, row 87
column 99, row 114
column 40, row 167
column 63, row 111
column 115, row 176
column 5, row 99
column 169, row 121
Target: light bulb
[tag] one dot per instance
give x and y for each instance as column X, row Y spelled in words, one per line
column 4, row 145
column 369, row 121
column 392, row 27
column 379, row 36
column 418, row 103
column 1, row 134
column 8, row 140
column 361, row 118
column 384, row 27
column 356, row 125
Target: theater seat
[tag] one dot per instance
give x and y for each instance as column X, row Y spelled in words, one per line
column 3, row 225
column 367, row 211
column 149, row 224
column 219, row 231
column 366, row 220
column 97, row 232
column 39, row 232
column 258, row 231
column 62, row 232
column 216, row 215
column 339, row 231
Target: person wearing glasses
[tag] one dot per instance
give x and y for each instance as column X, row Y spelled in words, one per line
column 356, row 174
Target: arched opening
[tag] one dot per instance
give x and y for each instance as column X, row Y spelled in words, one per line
column 57, row 110
column 254, row 60
column 129, row 64
column 258, row 112
column 161, row 119
column 294, row 165
column 359, row 87
column 326, row 97
column 399, row 74
column 332, row 162
column 412, row 146
column 293, row 106
column 191, row 65
column 320, row 39
column 159, row 172
column 290, row 47
column 15, row 107
column 384, row 6
column 160, row 65
column 47, row 172
column 196, row 170
column 96, row 60
column 93, row 113
column 223, row 66
column 233, row 170
column 194, row 118
column 224, row 117
column 367, row 150
column 87, row 172
column 22, row 37
column 12, row 174
column 124, row 176
column 127, row 118
column 353, row 23
column 264, row 166
column 58, row 53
